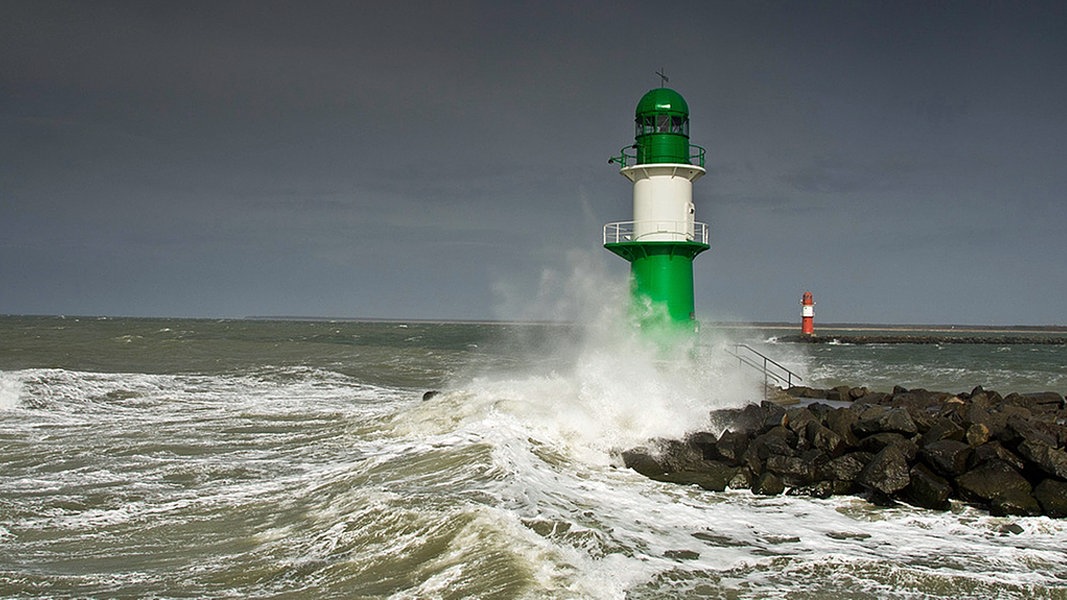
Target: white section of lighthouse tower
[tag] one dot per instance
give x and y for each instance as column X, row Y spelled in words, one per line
column 663, row 201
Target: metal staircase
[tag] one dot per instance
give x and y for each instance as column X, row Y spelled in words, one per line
column 773, row 372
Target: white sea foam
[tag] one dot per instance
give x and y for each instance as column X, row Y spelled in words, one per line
column 10, row 391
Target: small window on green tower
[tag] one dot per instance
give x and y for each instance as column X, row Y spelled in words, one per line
column 680, row 125
column 646, row 125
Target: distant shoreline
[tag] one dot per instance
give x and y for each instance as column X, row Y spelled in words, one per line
column 766, row 325
column 1009, row 339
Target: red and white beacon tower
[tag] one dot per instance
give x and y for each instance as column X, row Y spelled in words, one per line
column 807, row 314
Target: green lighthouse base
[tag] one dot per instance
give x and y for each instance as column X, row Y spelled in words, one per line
column 662, row 283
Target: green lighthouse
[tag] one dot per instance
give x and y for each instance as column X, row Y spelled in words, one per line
column 663, row 238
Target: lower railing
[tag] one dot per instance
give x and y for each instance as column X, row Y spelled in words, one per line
column 773, row 372
column 625, row 231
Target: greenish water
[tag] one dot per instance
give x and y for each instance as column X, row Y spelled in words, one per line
column 169, row 458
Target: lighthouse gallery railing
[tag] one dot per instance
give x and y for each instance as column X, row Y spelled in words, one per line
column 623, row 231
column 628, row 156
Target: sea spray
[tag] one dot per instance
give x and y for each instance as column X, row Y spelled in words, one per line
column 607, row 385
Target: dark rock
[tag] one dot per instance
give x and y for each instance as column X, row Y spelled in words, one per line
column 897, row 390
column 777, row 440
column 731, row 446
column 803, row 391
column 797, row 419
column 927, row 489
column 768, row 484
column 995, row 451
column 1014, row 502
column 679, row 456
column 792, row 469
column 991, row 480
column 713, row 477
column 703, row 442
column 642, row 461
column 820, row 410
column 775, row 419
column 1012, row 528
column 824, row 438
column 947, row 457
column 430, row 394
column 857, row 392
column 1050, row 460
column 752, row 417
column 1038, row 401
column 841, row 421
column 922, row 406
column 876, row 442
column 846, row 467
column 880, row 419
column 839, row 394
column 899, row 420
column 1052, row 495
column 887, row 472
column 943, row 428
column 872, row 398
column 742, row 480
column 1019, row 430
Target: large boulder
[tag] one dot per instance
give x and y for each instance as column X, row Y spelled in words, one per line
column 1014, row 502
column 840, row 422
column 823, row 438
column 642, row 461
column 927, row 489
column 887, row 473
column 994, row 450
column 881, row 419
column 731, row 446
column 1051, row 460
column 991, row 480
column 1052, row 495
column 775, row 441
column 943, row 428
column 947, row 457
column 768, row 484
column 713, row 476
column 846, row 467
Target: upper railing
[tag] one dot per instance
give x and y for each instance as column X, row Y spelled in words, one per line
column 628, row 156
column 626, row 231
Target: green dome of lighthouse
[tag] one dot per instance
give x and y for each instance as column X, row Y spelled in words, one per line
column 661, row 134
column 660, row 101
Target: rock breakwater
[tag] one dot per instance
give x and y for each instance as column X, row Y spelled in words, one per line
column 1007, row 454
column 1000, row 340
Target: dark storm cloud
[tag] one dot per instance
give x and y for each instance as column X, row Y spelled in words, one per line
column 405, row 159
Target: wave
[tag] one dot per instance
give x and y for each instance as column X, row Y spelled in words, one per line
column 307, row 481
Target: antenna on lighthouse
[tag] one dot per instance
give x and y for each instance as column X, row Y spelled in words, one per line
column 663, row 78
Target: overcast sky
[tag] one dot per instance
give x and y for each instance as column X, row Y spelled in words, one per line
column 904, row 161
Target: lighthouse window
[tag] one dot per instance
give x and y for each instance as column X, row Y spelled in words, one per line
column 662, row 124
column 646, row 125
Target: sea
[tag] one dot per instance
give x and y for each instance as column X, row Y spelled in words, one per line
column 273, row 458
